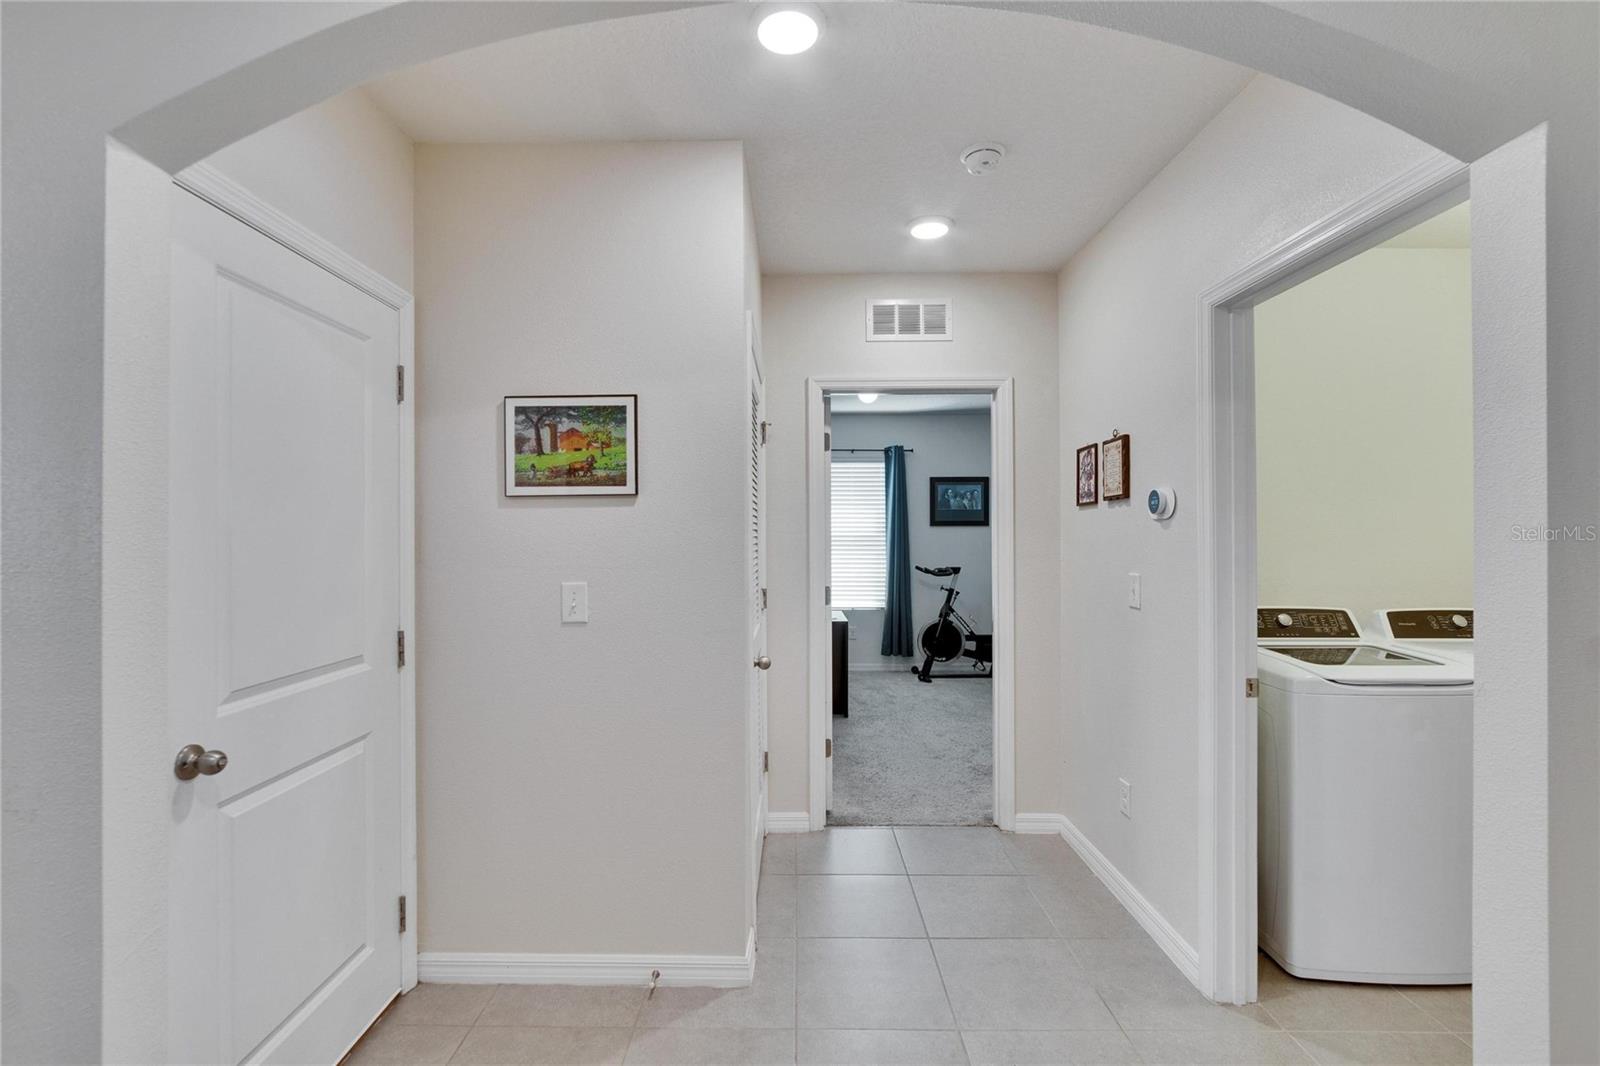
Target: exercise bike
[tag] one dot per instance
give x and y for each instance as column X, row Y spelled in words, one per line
column 950, row 636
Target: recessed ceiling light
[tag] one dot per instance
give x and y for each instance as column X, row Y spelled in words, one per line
column 930, row 228
column 867, row 397
column 788, row 32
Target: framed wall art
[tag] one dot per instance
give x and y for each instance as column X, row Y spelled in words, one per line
column 572, row 445
column 958, row 501
column 1115, row 460
column 1088, row 475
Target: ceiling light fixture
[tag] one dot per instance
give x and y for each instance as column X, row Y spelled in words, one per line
column 930, row 228
column 788, row 31
column 867, row 397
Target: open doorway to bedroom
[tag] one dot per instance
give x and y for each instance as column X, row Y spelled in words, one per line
column 911, row 608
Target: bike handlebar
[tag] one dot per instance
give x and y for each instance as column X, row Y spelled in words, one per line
column 940, row 571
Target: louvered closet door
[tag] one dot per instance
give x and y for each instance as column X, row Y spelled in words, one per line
column 757, row 533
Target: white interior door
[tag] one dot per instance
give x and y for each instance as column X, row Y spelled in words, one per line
column 285, row 578
column 757, row 730
column 827, row 558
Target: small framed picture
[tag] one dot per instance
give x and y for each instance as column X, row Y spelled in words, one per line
column 1088, row 475
column 1116, row 453
column 958, row 501
column 572, row 445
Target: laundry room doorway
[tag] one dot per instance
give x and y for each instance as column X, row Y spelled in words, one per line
column 911, row 566
column 1336, row 494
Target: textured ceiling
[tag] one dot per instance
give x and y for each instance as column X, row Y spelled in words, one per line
column 848, row 142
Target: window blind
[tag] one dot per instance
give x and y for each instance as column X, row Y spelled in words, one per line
column 859, row 548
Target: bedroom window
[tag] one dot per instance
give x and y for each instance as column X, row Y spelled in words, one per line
column 860, row 553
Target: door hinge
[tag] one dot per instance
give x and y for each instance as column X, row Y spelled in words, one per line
column 400, row 647
column 827, row 748
column 402, row 914
column 399, row 384
column 1250, row 687
column 763, row 599
column 764, row 427
column 827, row 595
column 827, row 442
column 766, row 761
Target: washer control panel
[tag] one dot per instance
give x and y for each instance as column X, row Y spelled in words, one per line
column 1430, row 625
column 1305, row 623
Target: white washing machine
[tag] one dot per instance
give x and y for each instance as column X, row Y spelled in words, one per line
column 1365, row 804
column 1440, row 631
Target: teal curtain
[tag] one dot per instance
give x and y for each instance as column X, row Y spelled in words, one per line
column 897, row 604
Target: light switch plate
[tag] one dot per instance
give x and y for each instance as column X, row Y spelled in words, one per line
column 574, row 601
column 1125, row 797
column 1134, row 595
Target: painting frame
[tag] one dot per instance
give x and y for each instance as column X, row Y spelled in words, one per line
column 1087, row 467
column 1116, row 455
column 595, row 420
column 958, row 515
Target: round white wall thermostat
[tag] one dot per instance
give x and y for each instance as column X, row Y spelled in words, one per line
column 1162, row 503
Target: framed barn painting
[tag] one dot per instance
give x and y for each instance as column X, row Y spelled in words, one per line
column 1088, row 475
column 572, row 445
column 1116, row 459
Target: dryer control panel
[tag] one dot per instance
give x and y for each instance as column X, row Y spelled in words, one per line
column 1305, row 623
column 1430, row 625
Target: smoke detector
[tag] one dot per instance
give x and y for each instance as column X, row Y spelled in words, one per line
column 980, row 159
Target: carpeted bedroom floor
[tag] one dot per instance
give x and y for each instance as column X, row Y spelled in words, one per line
column 914, row 754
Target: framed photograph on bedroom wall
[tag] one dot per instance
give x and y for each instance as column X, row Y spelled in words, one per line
column 1115, row 460
column 572, row 445
column 1088, row 475
column 958, row 501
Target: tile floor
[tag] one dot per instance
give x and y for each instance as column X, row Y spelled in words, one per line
column 931, row 945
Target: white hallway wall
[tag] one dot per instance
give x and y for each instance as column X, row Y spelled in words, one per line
column 1274, row 161
column 1005, row 326
column 944, row 444
column 342, row 169
column 1364, row 430
column 583, row 786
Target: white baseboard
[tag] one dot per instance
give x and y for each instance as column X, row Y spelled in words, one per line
column 1179, row 950
column 788, row 822
column 1039, row 823
column 489, row 968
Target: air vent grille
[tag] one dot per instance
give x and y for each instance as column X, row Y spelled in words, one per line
column 909, row 320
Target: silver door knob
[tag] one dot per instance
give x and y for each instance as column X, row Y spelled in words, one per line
column 763, row 663
column 194, row 760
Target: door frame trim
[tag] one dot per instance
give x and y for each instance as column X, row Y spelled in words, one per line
column 228, row 196
column 1226, row 507
column 1003, row 548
